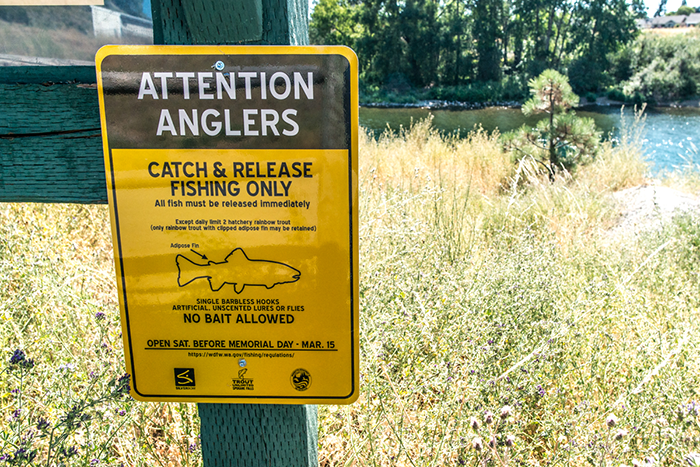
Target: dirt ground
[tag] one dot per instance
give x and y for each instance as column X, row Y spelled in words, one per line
column 647, row 207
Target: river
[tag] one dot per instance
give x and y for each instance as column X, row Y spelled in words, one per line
column 670, row 134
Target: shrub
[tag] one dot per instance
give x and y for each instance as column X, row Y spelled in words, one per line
column 615, row 94
column 562, row 141
column 665, row 68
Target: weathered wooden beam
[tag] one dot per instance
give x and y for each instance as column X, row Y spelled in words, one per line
column 50, row 145
column 33, row 74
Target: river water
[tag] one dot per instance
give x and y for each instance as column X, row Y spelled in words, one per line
column 671, row 136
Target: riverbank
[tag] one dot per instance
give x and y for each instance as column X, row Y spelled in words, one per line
column 442, row 105
column 501, row 318
column 607, row 102
column 513, row 104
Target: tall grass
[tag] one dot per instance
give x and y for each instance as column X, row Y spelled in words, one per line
column 501, row 327
column 500, row 324
column 58, row 306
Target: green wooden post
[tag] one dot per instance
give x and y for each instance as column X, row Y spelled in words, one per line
column 51, row 151
column 245, row 435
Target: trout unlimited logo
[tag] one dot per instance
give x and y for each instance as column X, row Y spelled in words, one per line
column 242, row 383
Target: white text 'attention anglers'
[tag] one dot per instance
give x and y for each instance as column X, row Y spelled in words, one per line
column 279, row 86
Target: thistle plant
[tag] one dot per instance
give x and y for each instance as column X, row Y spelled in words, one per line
column 493, row 439
column 36, row 438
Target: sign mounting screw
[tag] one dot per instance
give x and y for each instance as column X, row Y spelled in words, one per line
column 242, row 362
column 219, row 65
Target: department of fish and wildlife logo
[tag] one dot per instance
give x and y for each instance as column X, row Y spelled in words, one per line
column 242, row 383
column 236, row 270
column 184, row 378
column 301, row 379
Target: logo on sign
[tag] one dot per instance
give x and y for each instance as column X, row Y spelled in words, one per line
column 184, row 378
column 242, row 383
column 301, row 379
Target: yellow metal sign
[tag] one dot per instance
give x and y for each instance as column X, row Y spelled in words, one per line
column 232, row 181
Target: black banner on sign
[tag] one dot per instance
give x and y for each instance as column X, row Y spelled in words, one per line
column 227, row 101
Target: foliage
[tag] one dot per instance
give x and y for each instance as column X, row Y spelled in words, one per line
column 488, row 34
column 563, row 140
column 62, row 381
column 334, row 22
column 684, row 10
column 551, row 93
column 661, row 9
column 398, row 90
column 600, row 29
column 35, row 436
column 456, row 42
column 509, row 89
column 663, row 68
column 502, row 325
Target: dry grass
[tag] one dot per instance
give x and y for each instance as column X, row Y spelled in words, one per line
column 485, row 290
column 485, row 286
column 58, row 303
column 670, row 31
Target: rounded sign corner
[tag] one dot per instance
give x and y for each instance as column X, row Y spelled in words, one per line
column 352, row 398
column 102, row 53
column 349, row 55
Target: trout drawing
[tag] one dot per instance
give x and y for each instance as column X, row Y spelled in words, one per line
column 237, row 270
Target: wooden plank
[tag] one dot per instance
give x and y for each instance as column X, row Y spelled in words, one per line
column 257, row 435
column 50, row 145
column 65, row 169
column 47, row 74
column 242, row 20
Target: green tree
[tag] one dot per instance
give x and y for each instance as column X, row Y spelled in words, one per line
column 600, row 28
column 488, row 34
column 335, row 22
column 403, row 43
column 563, row 140
column 661, row 10
column 664, row 68
column 455, row 46
column 420, row 31
column 547, row 25
column 684, row 10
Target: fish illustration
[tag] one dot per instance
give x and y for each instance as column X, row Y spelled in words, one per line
column 236, row 269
